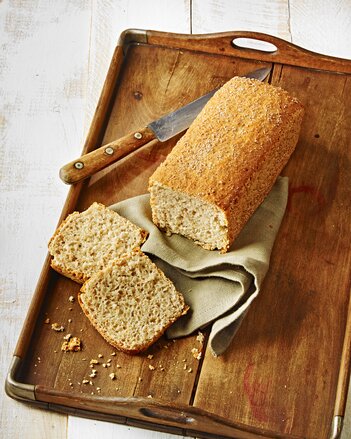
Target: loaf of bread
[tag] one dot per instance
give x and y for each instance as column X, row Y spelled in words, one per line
column 131, row 302
column 221, row 170
column 86, row 242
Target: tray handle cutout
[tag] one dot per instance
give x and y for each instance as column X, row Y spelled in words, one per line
column 163, row 414
column 254, row 44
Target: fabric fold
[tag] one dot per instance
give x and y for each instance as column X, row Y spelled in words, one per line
column 219, row 288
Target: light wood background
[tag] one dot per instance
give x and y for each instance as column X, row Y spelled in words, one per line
column 53, row 59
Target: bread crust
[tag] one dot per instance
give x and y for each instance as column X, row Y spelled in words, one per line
column 235, row 149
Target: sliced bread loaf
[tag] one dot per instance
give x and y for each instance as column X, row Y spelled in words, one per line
column 226, row 163
column 131, row 302
column 86, row 242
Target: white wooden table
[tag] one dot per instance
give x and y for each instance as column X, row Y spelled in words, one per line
column 53, row 60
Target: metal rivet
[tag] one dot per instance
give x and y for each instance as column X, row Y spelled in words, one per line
column 79, row 165
column 138, row 135
column 109, row 150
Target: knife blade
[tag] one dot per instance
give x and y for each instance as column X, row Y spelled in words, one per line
column 161, row 129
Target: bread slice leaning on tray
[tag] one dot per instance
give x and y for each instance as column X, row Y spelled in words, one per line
column 131, row 302
column 86, row 242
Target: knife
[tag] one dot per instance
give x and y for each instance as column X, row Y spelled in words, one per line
column 161, row 129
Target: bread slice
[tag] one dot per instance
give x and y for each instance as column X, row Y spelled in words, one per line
column 86, row 242
column 131, row 302
column 221, row 170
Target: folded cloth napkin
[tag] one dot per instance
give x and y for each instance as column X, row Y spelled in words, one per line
column 219, row 288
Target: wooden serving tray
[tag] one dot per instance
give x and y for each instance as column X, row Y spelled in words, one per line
column 287, row 370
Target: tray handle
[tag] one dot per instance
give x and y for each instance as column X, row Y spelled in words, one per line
column 281, row 51
column 188, row 420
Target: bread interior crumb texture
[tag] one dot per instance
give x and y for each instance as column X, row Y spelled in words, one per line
column 86, row 242
column 190, row 216
column 131, row 302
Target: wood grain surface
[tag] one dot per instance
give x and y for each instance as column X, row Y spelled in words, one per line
column 54, row 59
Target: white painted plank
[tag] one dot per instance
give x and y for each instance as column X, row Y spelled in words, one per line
column 323, row 26
column 44, row 52
column 109, row 19
column 84, row 428
column 267, row 16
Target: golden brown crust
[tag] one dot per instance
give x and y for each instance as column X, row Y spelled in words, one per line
column 235, row 149
column 77, row 277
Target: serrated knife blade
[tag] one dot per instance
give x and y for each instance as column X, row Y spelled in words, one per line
column 179, row 120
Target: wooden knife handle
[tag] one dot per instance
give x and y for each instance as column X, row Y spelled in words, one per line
column 98, row 159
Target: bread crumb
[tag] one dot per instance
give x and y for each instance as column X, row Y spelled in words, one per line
column 71, row 299
column 118, row 366
column 190, row 370
column 85, row 382
column 93, row 361
column 109, row 360
column 149, row 396
column 46, row 321
column 113, row 354
column 150, row 356
column 112, row 376
column 185, row 366
column 140, row 379
column 100, row 355
column 56, row 327
column 196, row 353
column 67, row 337
column 69, row 320
column 200, row 337
column 151, row 367
column 72, row 344
column 93, row 373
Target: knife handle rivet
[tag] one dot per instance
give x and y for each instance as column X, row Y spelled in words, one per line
column 138, row 135
column 79, row 165
column 109, row 150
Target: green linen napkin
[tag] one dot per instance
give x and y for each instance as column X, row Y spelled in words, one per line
column 219, row 288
